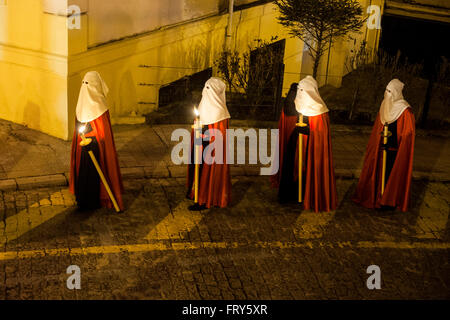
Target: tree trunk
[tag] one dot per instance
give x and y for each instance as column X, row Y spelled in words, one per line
column 230, row 90
column 318, row 54
column 316, row 66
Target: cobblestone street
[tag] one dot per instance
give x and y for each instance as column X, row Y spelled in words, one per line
column 159, row 154
column 256, row 249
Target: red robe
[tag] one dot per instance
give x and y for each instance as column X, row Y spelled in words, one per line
column 398, row 185
column 286, row 126
column 101, row 129
column 214, row 179
column 319, row 184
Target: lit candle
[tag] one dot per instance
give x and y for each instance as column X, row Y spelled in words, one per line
column 197, row 117
column 81, row 131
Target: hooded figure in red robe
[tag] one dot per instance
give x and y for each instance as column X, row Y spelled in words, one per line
column 319, row 184
column 214, row 177
column 286, row 126
column 92, row 115
column 396, row 113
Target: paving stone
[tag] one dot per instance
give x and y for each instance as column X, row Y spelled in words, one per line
column 132, row 173
column 41, row 181
column 51, row 157
column 177, row 171
column 8, row 185
column 237, row 171
column 344, row 173
column 269, row 261
column 157, row 171
column 252, row 171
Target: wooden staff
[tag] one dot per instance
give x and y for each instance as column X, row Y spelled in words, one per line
column 300, row 159
column 385, row 140
column 84, row 142
column 196, row 127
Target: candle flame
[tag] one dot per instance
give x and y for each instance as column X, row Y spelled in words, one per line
column 82, row 129
column 196, row 112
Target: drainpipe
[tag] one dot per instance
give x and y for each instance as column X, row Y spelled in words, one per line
column 328, row 62
column 230, row 25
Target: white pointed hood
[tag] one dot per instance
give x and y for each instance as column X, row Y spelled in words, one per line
column 92, row 99
column 213, row 106
column 308, row 101
column 393, row 104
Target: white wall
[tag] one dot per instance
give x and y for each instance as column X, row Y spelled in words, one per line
column 115, row 19
column 434, row 3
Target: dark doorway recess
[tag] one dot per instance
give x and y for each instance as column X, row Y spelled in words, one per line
column 181, row 89
column 419, row 41
column 274, row 81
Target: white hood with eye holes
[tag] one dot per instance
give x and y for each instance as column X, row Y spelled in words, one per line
column 393, row 104
column 213, row 106
column 92, row 98
column 308, row 101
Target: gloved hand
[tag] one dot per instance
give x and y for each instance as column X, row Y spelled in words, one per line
column 92, row 146
column 303, row 130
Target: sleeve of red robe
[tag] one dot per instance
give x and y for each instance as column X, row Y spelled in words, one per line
column 109, row 163
column 398, row 187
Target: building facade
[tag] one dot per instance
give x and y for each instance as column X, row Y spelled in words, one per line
column 46, row 47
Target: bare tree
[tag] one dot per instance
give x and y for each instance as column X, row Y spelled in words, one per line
column 251, row 72
column 318, row 22
column 228, row 65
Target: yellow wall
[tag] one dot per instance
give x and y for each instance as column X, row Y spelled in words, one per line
column 115, row 19
column 33, row 68
column 42, row 62
column 173, row 53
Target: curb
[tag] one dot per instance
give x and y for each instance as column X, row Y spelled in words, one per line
column 164, row 172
